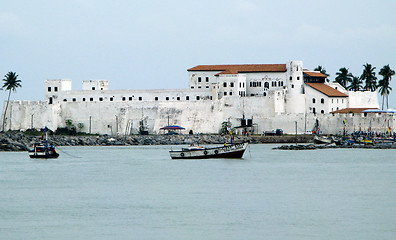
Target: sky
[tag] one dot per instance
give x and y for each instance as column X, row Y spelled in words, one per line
column 151, row 44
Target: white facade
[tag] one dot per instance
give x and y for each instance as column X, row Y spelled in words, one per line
column 273, row 96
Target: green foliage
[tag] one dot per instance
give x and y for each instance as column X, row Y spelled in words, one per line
column 322, row 70
column 11, row 83
column 226, row 128
column 356, row 84
column 384, row 84
column 369, row 78
column 343, row 77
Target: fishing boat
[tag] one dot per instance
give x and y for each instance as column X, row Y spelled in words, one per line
column 322, row 140
column 43, row 149
column 233, row 150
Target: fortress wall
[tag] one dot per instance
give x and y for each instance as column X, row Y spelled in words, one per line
column 200, row 116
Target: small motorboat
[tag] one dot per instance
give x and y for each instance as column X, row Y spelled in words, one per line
column 43, row 149
column 233, row 150
column 322, row 140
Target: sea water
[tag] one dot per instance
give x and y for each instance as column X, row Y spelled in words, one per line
column 138, row 192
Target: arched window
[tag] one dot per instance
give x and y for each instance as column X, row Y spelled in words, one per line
column 264, row 94
column 322, row 100
column 313, row 100
column 266, row 84
column 322, row 111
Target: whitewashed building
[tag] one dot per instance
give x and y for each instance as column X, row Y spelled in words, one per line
column 256, row 97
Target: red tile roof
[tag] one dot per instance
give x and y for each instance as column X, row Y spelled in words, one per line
column 326, row 89
column 314, row 74
column 242, row 68
column 352, row 110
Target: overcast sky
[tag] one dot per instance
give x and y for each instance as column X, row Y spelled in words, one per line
column 150, row 44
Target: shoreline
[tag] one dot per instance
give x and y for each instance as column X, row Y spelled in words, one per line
column 17, row 141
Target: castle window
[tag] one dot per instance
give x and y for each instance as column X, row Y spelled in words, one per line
column 65, row 100
column 111, row 99
column 49, row 89
column 91, row 99
column 292, row 85
column 83, row 99
column 250, row 84
column 240, row 84
column 100, row 99
column 55, row 89
column 298, row 78
column 231, row 84
column 210, row 97
column 130, row 98
column 291, row 78
column 178, row 98
column 93, row 88
column 199, row 79
column 123, row 98
column 314, row 110
column 167, row 98
column 313, row 100
column 225, row 93
column 332, row 100
column 342, row 100
column 187, row 98
column 207, row 86
column 156, row 98
column 74, row 99
column 197, row 97
column 207, row 79
column 230, row 93
column 264, row 94
column 266, row 85
column 140, row 98
column 322, row 111
column 322, row 100
column 199, row 86
column 224, row 84
column 192, row 86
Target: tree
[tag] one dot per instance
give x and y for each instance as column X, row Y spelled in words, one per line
column 11, row 83
column 356, row 84
column 343, row 77
column 322, row 70
column 384, row 84
column 368, row 76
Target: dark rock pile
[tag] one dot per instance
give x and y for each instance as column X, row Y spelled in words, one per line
column 17, row 141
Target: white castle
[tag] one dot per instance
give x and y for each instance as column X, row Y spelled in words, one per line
column 253, row 97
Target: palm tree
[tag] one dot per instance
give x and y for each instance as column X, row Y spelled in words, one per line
column 356, row 84
column 369, row 77
column 343, row 77
column 322, row 70
column 384, row 85
column 11, row 83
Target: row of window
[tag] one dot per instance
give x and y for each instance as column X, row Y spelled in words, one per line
column 291, row 78
column 55, row 89
column 322, row 100
column 200, row 86
column 200, row 79
column 100, row 99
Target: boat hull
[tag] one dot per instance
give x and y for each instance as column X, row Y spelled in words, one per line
column 231, row 151
column 43, row 154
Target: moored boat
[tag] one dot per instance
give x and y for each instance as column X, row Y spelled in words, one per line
column 322, row 140
column 43, row 149
column 235, row 150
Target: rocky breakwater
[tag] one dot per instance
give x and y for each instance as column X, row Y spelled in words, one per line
column 18, row 141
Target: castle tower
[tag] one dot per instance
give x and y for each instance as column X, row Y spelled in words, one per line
column 295, row 100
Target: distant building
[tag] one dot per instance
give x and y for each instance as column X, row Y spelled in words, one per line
column 271, row 96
